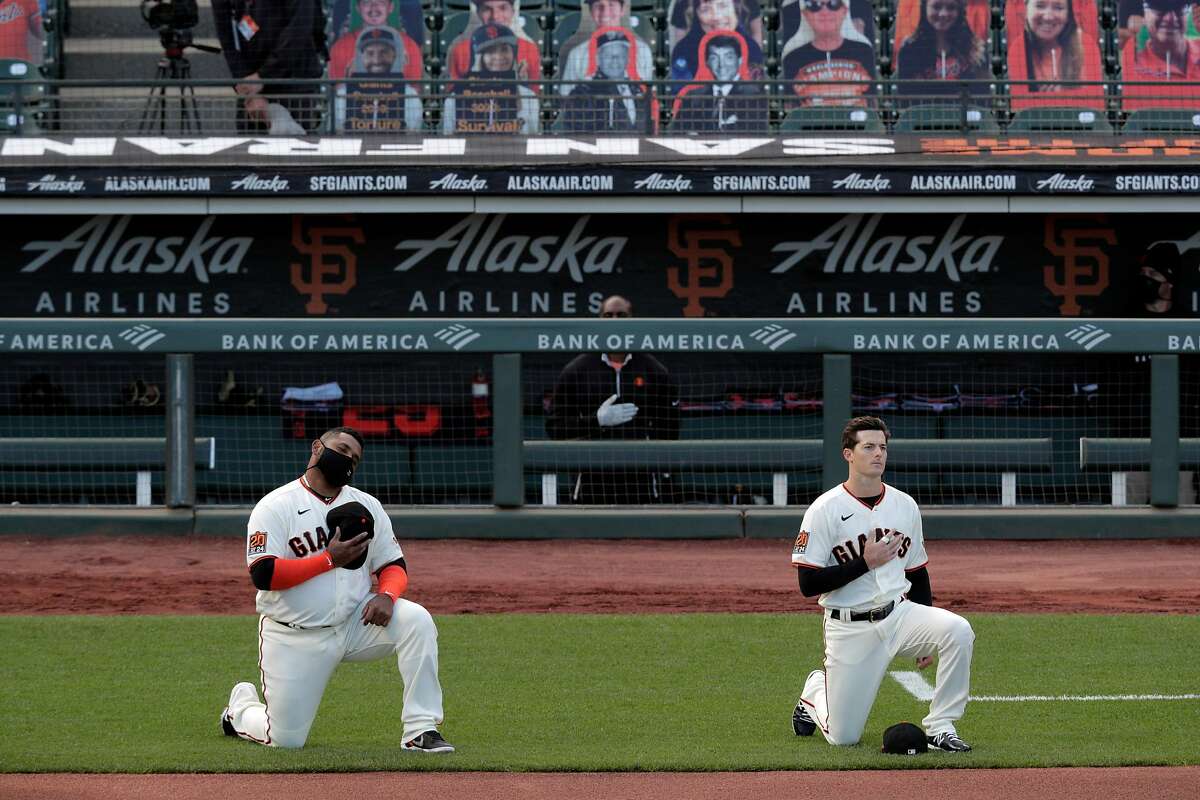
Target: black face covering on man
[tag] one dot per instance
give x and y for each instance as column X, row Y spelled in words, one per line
column 336, row 467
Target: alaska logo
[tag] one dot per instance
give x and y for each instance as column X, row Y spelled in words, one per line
column 332, row 267
column 1084, row 267
column 709, row 268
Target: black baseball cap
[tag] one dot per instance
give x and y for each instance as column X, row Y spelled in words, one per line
column 353, row 518
column 1166, row 5
column 378, row 35
column 905, row 739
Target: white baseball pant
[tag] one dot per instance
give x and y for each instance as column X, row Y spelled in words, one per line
column 297, row 664
column 857, row 655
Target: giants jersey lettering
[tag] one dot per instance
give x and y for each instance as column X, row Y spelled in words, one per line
column 838, row 525
column 290, row 523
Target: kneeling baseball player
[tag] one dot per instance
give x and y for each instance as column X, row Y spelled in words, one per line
column 312, row 546
column 861, row 549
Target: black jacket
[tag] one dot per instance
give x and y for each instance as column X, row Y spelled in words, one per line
column 587, row 382
column 743, row 110
column 288, row 43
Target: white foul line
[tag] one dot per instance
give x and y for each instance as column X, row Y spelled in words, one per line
column 915, row 684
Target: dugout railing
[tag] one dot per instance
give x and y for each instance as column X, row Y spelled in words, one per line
column 836, row 342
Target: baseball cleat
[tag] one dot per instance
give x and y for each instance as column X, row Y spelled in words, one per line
column 429, row 742
column 949, row 742
column 227, row 723
column 242, row 694
column 802, row 723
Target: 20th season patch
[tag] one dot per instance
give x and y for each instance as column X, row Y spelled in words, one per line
column 801, row 544
column 257, row 543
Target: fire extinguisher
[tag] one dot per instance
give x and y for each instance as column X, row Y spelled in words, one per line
column 480, row 405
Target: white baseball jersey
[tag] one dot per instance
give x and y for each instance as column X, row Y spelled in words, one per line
column 835, row 530
column 290, row 523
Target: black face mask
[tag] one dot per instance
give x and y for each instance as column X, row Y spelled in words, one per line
column 1150, row 290
column 337, row 468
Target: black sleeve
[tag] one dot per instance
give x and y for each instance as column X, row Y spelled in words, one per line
column 571, row 414
column 819, row 581
column 399, row 562
column 261, row 573
column 223, row 15
column 921, row 592
column 294, row 45
column 666, row 415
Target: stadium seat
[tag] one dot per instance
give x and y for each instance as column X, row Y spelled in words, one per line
column 565, row 26
column 946, row 118
column 1163, row 120
column 12, row 119
column 1054, row 119
column 452, row 27
column 832, row 119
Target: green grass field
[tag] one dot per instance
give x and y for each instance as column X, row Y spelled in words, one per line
column 574, row 692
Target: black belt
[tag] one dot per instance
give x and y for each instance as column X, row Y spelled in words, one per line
column 874, row 615
column 296, row 627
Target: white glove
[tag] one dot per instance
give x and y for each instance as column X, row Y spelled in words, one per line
column 282, row 123
column 613, row 413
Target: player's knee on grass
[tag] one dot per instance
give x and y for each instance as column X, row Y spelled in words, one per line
column 842, row 735
column 289, row 740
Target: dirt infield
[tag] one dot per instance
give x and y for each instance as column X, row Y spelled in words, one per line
column 1129, row 783
column 145, row 575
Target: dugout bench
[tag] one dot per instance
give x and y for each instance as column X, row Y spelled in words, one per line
column 1122, row 456
column 139, row 455
column 1006, row 456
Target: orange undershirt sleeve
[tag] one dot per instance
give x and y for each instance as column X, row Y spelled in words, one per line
column 393, row 581
column 291, row 572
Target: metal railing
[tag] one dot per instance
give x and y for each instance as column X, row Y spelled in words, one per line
column 355, row 106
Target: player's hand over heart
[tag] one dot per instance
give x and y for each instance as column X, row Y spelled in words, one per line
column 880, row 551
column 924, row 661
column 344, row 551
column 378, row 611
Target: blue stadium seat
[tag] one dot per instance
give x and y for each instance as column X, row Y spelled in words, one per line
column 946, row 118
column 1056, row 118
column 832, row 119
column 1164, row 120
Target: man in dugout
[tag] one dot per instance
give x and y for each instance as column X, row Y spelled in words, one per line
column 624, row 396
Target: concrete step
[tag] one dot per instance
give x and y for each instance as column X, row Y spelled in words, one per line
column 112, row 64
column 122, row 21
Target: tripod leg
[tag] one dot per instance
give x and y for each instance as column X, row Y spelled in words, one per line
column 156, row 104
column 189, row 114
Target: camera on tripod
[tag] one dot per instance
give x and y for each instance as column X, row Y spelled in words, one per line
column 173, row 19
column 181, row 15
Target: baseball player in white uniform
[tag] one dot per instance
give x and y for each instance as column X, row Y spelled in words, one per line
column 318, row 609
column 861, row 549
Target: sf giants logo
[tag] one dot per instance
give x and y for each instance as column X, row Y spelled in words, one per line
column 1084, row 268
column 851, row 549
column 709, row 269
column 333, row 268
